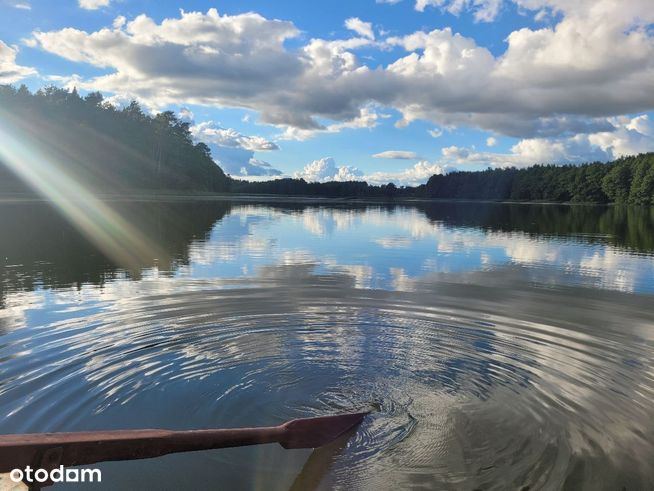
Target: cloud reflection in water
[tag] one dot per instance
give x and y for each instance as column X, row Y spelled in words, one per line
column 449, row 331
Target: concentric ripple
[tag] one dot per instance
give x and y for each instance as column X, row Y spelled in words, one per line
column 469, row 387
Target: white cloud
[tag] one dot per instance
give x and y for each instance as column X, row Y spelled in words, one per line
column 631, row 136
column 412, row 176
column 208, row 59
column 361, row 28
column 240, row 162
column 332, row 59
column 234, row 152
column 483, row 10
column 526, row 152
column 29, row 42
column 628, row 136
column 22, row 6
column 491, row 141
column 69, row 82
column 596, row 61
column 11, row 72
column 119, row 100
column 119, row 22
column 458, row 83
column 396, row 154
column 227, row 137
column 258, row 168
column 641, row 124
column 455, row 152
column 186, row 115
column 542, row 150
column 93, row 4
column 435, row 133
column 325, row 169
column 367, row 118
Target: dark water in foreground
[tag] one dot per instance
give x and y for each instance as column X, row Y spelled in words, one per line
column 500, row 346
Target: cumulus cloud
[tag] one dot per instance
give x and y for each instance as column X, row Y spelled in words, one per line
column 553, row 81
column 233, row 151
column 119, row 22
column 483, row 10
column 361, row 28
column 627, row 136
column 257, row 168
column 199, row 58
column 396, row 154
column 454, row 152
column 11, row 72
column 412, row 176
column 93, row 4
column 239, row 162
column 186, row 115
column 435, row 133
column 595, row 61
column 325, row 169
column 631, row 136
column 228, row 137
column 367, row 118
column 69, row 82
column 524, row 153
column 491, row 141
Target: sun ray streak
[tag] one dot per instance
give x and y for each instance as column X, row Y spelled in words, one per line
column 111, row 232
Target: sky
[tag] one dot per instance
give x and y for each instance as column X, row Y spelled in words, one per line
column 375, row 90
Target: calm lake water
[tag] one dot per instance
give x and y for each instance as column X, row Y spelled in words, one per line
column 498, row 346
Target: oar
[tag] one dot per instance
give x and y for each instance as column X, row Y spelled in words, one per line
column 51, row 450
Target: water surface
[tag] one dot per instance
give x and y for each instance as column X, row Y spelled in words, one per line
column 499, row 346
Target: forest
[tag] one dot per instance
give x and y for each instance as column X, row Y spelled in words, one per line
column 118, row 150
column 626, row 180
column 110, row 150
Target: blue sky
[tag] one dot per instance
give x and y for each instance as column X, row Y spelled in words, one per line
column 382, row 91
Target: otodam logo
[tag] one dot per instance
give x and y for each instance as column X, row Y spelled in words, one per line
column 59, row 474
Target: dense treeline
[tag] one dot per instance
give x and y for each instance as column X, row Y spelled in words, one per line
column 109, row 149
column 626, row 180
column 116, row 150
column 333, row 189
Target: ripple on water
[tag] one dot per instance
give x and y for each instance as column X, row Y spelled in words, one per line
column 464, row 394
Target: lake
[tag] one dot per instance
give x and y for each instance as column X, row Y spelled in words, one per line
column 498, row 346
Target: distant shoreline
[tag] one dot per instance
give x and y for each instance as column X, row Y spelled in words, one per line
column 175, row 196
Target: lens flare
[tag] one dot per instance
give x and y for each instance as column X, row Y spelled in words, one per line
column 48, row 174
